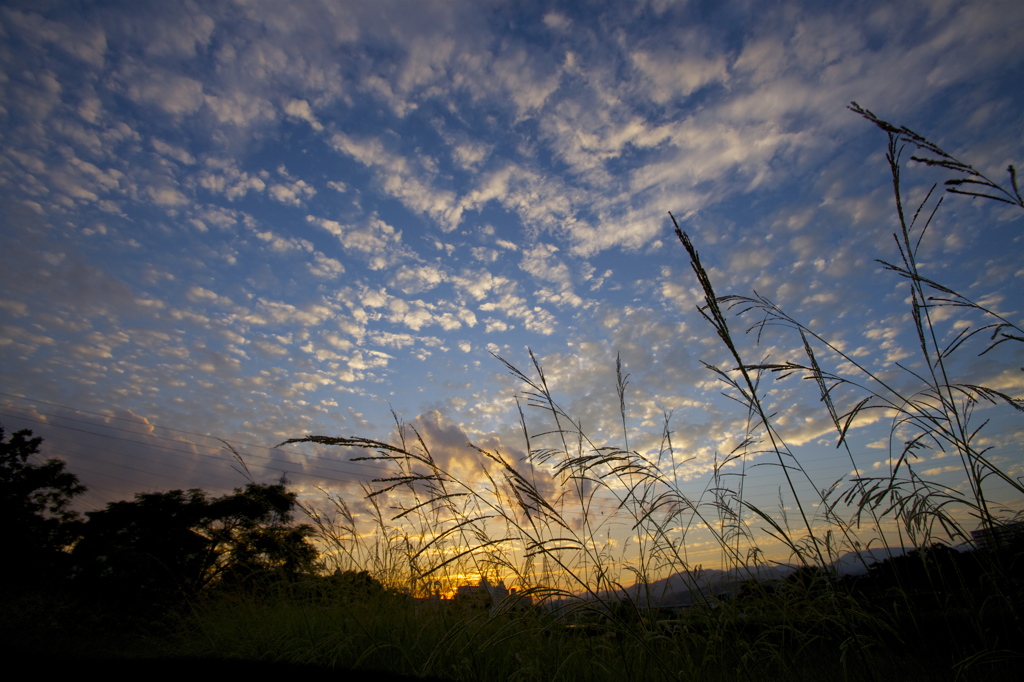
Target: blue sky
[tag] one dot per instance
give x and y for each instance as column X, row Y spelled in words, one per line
column 260, row 220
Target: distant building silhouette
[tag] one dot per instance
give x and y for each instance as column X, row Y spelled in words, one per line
column 494, row 593
column 488, row 595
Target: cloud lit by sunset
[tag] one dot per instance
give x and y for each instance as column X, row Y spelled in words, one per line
column 254, row 221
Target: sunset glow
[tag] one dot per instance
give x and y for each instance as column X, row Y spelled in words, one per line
column 256, row 221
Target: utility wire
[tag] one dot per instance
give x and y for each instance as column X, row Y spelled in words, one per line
column 609, row 502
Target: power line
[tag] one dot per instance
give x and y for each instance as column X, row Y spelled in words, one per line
column 609, row 502
column 107, row 416
column 105, row 426
column 172, row 440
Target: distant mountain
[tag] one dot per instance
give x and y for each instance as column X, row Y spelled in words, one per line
column 687, row 587
column 856, row 563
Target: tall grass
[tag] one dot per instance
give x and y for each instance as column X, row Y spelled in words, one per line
column 937, row 414
column 536, row 522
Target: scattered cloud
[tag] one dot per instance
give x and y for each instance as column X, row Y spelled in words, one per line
column 260, row 224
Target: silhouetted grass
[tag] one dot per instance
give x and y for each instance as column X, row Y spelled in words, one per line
column 534, row 521
column 933, row 615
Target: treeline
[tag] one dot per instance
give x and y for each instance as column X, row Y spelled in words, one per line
column 236, row 576
column 159, row 547
column 137, row 555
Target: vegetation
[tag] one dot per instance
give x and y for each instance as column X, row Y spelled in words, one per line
column 164, row 546
column 249, row 587
column 536, row 521
column 34, row 503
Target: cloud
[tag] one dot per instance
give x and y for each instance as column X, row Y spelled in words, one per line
column 416, row 279
column 554, row 20
column 497, row 186
column 199, row 294
column 240, row 109
column 300, row 109
column 292, row 193
column 674, row 75
column 177, row 35
column 172, row 93
column 324, row 267
column 177, row 153
column 453, row 452
column 222, row 176
column 167, row 196
column 540, row 261
column 492, row 325
column 86, row 43
column 409, row 180
column 470, row 154
column 378, row 242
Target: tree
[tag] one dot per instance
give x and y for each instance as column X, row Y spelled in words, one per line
column 161, row 546
column 35, row 504
column 145, row 550
column 255, row 534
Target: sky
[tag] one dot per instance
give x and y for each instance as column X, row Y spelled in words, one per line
column 250, row 221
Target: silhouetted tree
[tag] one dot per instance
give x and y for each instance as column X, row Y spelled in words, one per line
column 146, row 550
column 161, row 546
column 356, row 585
column 35, row 507
column 255, row 535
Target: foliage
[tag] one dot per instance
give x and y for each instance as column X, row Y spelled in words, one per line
column 163, row 545
column 35, row 504
column 356, row 584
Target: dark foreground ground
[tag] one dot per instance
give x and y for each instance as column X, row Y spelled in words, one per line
column 205, row 668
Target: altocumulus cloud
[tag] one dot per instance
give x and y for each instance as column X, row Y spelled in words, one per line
column 257, row 221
